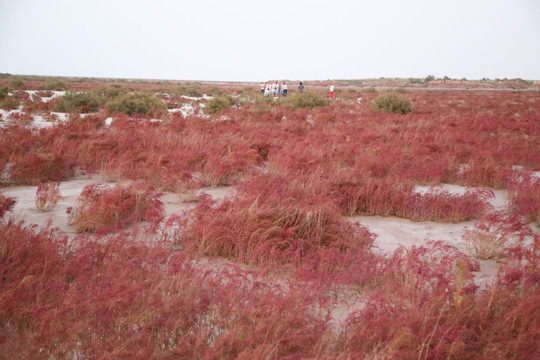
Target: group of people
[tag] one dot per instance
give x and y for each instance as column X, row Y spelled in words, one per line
column 279, row 88
column 276, row 88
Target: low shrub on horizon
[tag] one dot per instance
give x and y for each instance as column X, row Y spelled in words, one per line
column 135, row 103
column 4, row 92
column 194, row 90
column 393, row 103
column 82, row 102
column 307, row 100
column 218, row 103
column 54, row 85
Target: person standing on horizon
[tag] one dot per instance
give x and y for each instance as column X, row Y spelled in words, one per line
column 262, row 87
column 331, row 88
column 279, row 89
column 284, row 89
column 301, row 88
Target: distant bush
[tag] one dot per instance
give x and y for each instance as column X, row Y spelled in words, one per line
column 194, row 90
column 83, row 102
column 393, row 103
column 307, row 100
column 135, row 103
column 401, row 91
column 219, row 103
column 369, row 90
column 213, row 90
column 54, row 85
column 4, row 91
column 15, row 82
column 263, row 104
column 111, row 92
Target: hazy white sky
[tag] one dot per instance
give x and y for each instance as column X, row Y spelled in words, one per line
column 251, row 40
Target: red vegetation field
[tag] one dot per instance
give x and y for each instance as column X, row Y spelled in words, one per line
column 263, row 273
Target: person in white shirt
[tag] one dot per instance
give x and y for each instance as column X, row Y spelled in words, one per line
column 284, row 89
column 331, row 91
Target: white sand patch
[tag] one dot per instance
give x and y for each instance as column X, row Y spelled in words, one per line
column 393, row 232
column 62, row 117
column 186, row 110
column 217, row 193
column 172, row 204
column 196, row 98
column 25, row 208
column 40, row 122
column 341, row 312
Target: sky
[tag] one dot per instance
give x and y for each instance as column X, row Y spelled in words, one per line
column 251, row 40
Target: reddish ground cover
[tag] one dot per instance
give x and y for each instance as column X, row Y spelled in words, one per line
column 291, row 255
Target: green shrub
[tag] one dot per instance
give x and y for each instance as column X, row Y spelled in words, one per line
column 111, row 92
column 194, row 90
column 401, row 91
column 15, row 82
column 307, row 100
column 213, row 90
column 53, row 85
column 4, row 91
column 393, row 103
column 369, row 90
column 78, row 102
column 135, row 103
column 219, row 103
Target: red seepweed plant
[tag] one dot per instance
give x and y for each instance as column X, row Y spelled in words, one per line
column 525, row 196
column 297, row 173
column 6, row 204
column 102, row 209
column 271, row 221
column 47, row 196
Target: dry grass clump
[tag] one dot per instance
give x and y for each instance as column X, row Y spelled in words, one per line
column 47, row 196
column 493, row 233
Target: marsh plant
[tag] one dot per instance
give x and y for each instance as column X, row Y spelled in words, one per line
column 47, row 196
